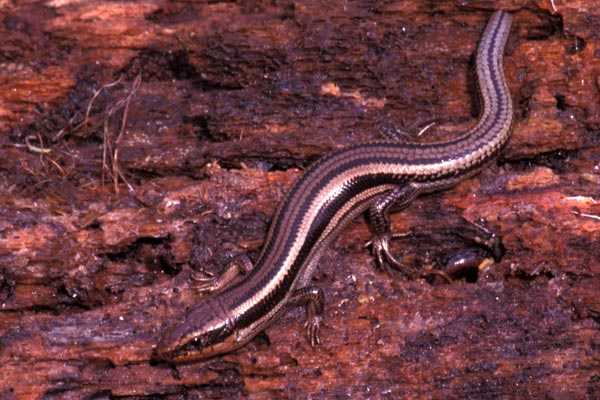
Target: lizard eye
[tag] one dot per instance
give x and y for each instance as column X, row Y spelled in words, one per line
column 196, row 343
column 208, row 338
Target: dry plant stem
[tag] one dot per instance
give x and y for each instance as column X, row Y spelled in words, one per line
column 116, row 170
column 36, row 149
column 108, row 148
column 84, row 123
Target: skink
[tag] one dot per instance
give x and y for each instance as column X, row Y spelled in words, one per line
column 375, row 176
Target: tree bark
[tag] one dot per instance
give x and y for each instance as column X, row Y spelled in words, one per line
column 143, row 141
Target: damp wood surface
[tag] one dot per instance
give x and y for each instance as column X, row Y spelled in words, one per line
column 143, row 141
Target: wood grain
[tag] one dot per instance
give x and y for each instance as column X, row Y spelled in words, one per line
column 112, row 194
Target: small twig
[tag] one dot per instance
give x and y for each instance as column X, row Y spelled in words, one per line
column 57, row 166
column 36, row 149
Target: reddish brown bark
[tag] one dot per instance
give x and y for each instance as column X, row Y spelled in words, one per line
column 233, row 101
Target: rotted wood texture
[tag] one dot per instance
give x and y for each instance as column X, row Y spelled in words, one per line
column 142, row 141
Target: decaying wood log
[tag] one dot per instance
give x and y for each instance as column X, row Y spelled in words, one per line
column 143, row 141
